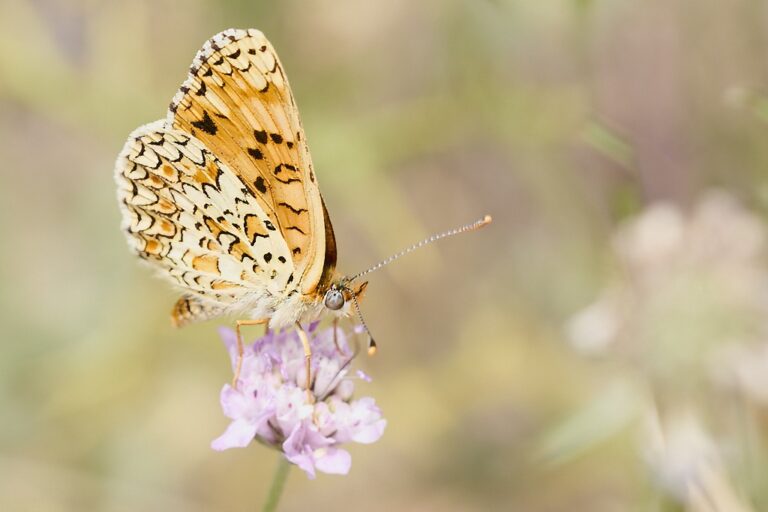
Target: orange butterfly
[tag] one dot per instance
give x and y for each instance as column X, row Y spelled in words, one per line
column 221, row 196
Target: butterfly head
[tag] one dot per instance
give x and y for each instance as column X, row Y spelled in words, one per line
column 334, row 298
column 341, row 292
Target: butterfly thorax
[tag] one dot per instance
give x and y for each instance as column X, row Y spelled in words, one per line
column 290, row 310
column 291, row 306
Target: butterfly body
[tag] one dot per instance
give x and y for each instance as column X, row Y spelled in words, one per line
column 221, row 196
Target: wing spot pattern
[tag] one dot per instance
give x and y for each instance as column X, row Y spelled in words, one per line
column 206, row 124
column 260, row 185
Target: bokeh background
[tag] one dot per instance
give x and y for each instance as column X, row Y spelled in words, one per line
column 566, row 120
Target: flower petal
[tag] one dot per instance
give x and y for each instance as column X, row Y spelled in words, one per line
column 370, row 433
column 233, row 403
column 334, row 461
column 296, row 451
column 239, row 434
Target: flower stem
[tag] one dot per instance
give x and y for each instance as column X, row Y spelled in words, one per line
column 278, row 482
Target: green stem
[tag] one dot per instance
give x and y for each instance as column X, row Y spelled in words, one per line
column 278, row 482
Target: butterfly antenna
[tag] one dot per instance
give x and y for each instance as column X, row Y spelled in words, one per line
column 434, row 238
column 371, row 342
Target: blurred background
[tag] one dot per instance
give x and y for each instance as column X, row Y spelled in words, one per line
column 602, row 346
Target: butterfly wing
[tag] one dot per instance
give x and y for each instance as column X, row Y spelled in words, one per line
column 237, row 102
column 188, row 213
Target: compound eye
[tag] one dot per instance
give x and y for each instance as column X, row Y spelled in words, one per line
column 334, row 299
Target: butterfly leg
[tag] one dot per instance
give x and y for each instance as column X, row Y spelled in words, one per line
column 335, row 337
column 240, row 347
column 307, row 359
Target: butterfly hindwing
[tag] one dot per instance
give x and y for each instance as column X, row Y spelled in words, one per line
column 193, row 308
column 185, row 211
column 237, row 102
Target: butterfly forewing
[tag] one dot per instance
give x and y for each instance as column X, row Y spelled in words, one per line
column 237, row 102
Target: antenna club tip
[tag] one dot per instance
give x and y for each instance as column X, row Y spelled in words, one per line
column 486, row 220
column 372, row 348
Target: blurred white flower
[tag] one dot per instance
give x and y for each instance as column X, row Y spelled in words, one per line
column 596, row 327
column 679, row 449
column 652, row 239
column 686, row 315
column 686, row 463
column 686, row 286
column 744, row 368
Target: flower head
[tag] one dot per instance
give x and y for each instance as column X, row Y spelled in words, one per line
column 690, row 284
column 270, row 403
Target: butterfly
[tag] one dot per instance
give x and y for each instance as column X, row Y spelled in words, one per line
column 222, row 198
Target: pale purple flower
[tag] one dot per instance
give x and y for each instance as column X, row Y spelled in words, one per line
column 271, row 406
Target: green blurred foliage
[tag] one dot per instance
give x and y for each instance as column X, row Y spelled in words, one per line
column 558, row 118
